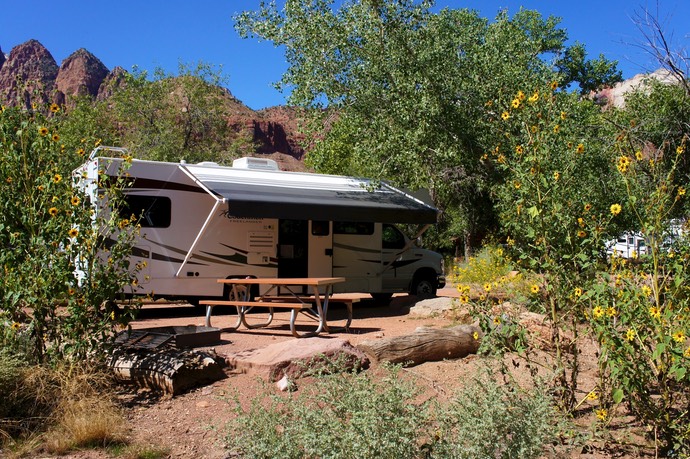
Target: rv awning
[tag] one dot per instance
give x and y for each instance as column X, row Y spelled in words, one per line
column 301, row 196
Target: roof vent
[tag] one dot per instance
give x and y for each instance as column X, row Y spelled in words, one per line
column 207, row 164
column 256, row 164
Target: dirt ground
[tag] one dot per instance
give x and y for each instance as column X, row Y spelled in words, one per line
column 193, row 424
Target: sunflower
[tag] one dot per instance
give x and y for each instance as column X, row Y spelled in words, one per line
column 680, row 150
column 75, row 200
column 57, row 178
column 615, row 209
column 556, row 175
column 577, row 291
column 597, row 312
column 556, row 128
column 73, row 233
column 515, row 103
column 534, row 288
column 55, row 137
column 588, row 207
column 54, row 108
column 580, row 148
column 554, row 85
column 630, row 334
column 519, row 149
column 581, row 233
column 534, row 97
column 679, row 337
column 505, row 116
column 43, row 131
column 53, row 211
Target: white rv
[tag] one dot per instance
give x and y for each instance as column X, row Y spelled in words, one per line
column 627, row 245
column 202, row 222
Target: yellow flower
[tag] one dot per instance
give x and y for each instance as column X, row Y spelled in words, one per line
column 533, row 129
column 556, row 128
column 602, row 414
column 588, row 207
column 611, row 311
column 487, row 287
column 563, row 115
column 16, row 325
column 43, row 131
column 505, row 116
column 519, row 149
column 577, row 291
column 75, row 200
column 97, row 143
column 515, row 103
column 580, row 148
column 57, row 178
column 517, row 185
column 679, row 336
column 123, row 223
column 56, row 137
column 534, row 288
column 73, row 232
column 475, row 335
column 687, row 352
column 638, row 155
column 53, row 211
column 80, row 152
column 593, row 395
column 615, row 209
column 680, row 149
column 54, row 108
column 534, row 97
column 40, row 188
column 497, row 320
column 646, row 290
column 520, row 96
column 681, row 191
column 597, row 312
column 581, row 233
column 630, row 334
column 655, row 312
column 556, row 175
column 464, row 299
column 554, row 85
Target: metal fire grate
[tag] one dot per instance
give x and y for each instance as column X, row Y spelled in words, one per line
column 177, row 336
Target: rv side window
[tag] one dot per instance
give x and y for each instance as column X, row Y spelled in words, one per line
column 153, row 211
column 319, row 228
column 359, row 228
column 392, row 238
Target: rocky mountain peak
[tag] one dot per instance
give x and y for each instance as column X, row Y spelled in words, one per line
column 33, row 64
column 80, row 74
column 2, row 58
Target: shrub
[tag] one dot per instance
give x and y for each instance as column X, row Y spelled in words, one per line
column 338, row 416
column 490, row 420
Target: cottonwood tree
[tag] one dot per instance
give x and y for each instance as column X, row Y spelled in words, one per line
column 405, row 90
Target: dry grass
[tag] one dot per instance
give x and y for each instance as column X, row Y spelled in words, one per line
column 86, row 423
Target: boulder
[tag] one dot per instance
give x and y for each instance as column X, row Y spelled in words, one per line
column 298, row 357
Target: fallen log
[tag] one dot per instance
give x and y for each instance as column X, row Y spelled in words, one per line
column 425, row 345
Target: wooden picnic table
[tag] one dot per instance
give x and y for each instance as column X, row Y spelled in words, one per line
column 284, row 293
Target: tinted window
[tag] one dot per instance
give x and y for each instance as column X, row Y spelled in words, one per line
column 353, row 228
column 152, row 211
column 392, row 238
column 319, row 228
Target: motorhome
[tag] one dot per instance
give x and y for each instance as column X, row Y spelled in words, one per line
column 202, row 222
column 627, row 245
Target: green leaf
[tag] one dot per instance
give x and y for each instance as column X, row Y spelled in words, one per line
column 661, row 347
column 617, row 395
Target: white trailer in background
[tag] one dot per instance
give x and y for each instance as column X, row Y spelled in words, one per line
column 202, row 222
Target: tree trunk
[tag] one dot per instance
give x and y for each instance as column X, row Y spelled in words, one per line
column 425, row 345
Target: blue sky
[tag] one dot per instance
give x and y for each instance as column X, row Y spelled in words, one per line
column 155, row 33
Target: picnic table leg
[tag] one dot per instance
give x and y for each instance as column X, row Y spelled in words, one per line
column 209, row 309
column 243, row 310
column 326, row 300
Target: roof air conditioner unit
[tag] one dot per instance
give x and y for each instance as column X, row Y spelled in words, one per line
column 256, row 164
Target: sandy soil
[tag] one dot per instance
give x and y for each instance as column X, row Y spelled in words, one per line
column 193, row 424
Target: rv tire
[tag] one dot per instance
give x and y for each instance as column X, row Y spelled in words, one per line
column 423, row 287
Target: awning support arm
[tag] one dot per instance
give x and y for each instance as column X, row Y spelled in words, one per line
column 206, row 223
column 407, row 247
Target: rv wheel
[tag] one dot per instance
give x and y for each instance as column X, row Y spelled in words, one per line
column 423, row 288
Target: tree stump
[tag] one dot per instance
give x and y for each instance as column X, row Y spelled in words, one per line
column 425, row 345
